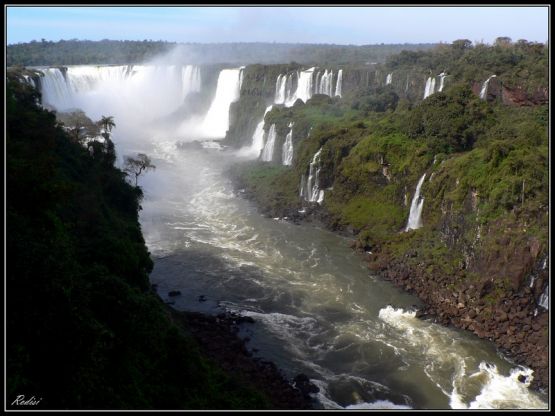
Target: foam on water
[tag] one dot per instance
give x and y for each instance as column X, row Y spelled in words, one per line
column 379, row 404
column 439, row 350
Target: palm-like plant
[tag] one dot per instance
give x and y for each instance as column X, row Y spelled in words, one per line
column 107, row 123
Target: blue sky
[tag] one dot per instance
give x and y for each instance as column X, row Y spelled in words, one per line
column 340, row 25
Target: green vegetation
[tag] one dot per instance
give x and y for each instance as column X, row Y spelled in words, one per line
column 273, row 187
column 522, row 63
column 82, row 52
column 84, row 330
column 486, row 162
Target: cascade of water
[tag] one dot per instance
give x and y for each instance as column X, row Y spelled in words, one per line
column 55, row 89
column 312, row 192
column 190, row 79
column 325, row 85
column 330, row 86
column 268, row 151
column 441, row 81
column 302, row 192
column 28, row 80
column 317, row 82
column 427, row 87
column 128, row 86
column 543, row 301
column 289, row 93
column 287, row 153
column 339, row 83
column 257, row 143
column 388, row 79
column 216, row 121
column 279, row 97
column 304, row 87
column 484, row 90
column 415, row 220
column 532, row 281
column 430, row 87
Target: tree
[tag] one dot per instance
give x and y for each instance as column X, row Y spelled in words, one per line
column 107, row 123
column 136, row 166
column 462, row 44
column 503, row 41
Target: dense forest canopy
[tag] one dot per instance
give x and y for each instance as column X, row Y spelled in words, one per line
column 74, row 52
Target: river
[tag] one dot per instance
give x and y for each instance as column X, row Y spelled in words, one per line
column 316, row 307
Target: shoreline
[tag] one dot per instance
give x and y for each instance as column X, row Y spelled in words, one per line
column 218, row 340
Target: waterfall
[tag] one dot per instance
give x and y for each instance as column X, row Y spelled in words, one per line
column 318, row 82
column 102, row 89
column 430, row 87
column 268, row 151
column 388, row 79
column 284, row 90
column 532, row 281
column 312, row 192
column 304, row 87
column 216, row 121
column 287, row 153
column 324, row 85
column 56, row 91
column 339, row 83
column 484, row 90
column 279, row 97
column 441, row 81
column 257, row 143
column 415, row 220
column 28, row 80
column 190, row 79
column 329, row 90
column 289, row 93
column 543, row 301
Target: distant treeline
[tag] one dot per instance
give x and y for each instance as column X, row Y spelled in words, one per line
column 74, row 52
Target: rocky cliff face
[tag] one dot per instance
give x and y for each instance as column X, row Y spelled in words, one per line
column 492, row 289
column 517, row 96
